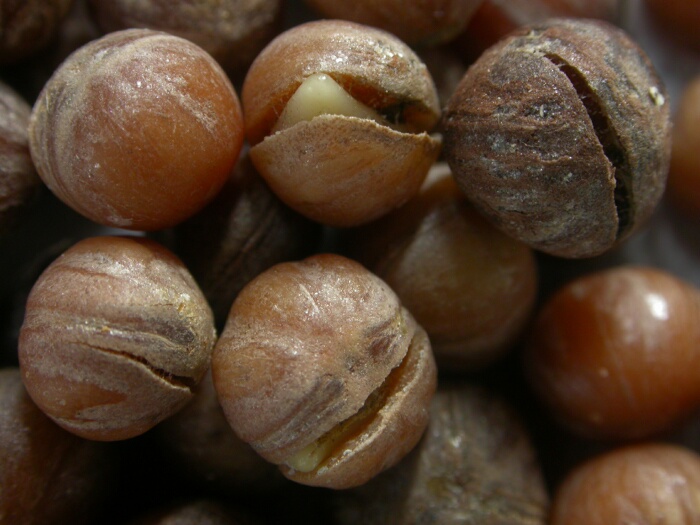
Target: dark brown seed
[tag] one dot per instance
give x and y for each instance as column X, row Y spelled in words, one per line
column 560, row 134
column 28, row 25
column 19, row 181
column 232, row 31
column 475, row 466
column 47, row 475
column 244, row 231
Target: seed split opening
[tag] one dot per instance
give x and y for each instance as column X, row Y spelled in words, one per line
column 613, row 149
column 180, row 382
column 315, row 454
column 319, row 94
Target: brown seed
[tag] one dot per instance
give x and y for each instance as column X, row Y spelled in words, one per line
column 18, row 179
column 115, row 337
column 138, row 130
column 454, row 272
column 47, row 475
column 416, row 23
column 615, row 354
column 244, row 231
column 476, row 465
column 27, row 26
column 338, row 116
column 560, row 135
column 650, row 483
column 323, row 371
column 684, row 176
column 232, row 31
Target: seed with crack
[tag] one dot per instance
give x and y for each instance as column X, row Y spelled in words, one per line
column 318, row 95
column 339, row 116
column 115, row 337
column 560, row 134
column 323, row 371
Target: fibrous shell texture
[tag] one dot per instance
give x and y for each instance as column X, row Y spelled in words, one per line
column 476, row 465
column 115, row 337
column 339, row 169
column 560, row 134
column 319, row 354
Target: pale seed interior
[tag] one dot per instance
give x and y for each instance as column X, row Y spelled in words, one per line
column 319, row 95
column 313, row 455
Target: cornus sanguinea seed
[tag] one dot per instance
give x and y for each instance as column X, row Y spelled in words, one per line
column 115, row 339
column 560, row 135
column 138, row 129
column 652, row 483
column 323, row 372
column 338, row 116
column 232, row 31
column 616, row 354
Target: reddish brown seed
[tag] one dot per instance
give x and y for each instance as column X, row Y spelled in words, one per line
column 115, row 337
column 47, row 475
column 138, row 130
column 454, row 272
column 416, row 23
column 232, row 31
column 494, row 19
column 560, row 135
column 615, row 354
column 323, row 371
column 363, row 147
column 684, row 176
column 654, row 484
column 27, row 26
column 679, row 19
